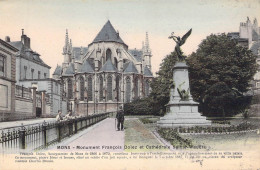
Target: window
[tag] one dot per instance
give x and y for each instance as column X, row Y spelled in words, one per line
column 108, row 54
column 147, row 86
column 25, row 72
column 56, row 88
column 82, row 87
column 90, row 97
column 101, row 88
column 136, row 87
column 4, row 96
column 109, row 88
column 117, row 88
column 69, row 89
column 39, row 75
column 2, row 66
column 128, row 89
column 32, row 71
column 99, row 65
column 115, row 62
column 45, row 75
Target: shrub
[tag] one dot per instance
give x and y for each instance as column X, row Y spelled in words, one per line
column 174, row 138
column 138, row 107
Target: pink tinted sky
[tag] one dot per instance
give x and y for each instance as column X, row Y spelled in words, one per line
column 45, row 22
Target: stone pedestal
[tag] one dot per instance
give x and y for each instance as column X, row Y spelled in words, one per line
column 182, row 112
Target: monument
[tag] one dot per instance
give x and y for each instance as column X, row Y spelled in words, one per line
column 181, row 109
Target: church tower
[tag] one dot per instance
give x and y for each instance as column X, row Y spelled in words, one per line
column 67, row 51
column 147, row 54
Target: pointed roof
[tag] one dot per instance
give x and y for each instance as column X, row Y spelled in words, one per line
column 108, row 67
column 108, row 34
column 86, row 68
column 147, row 72
column 137, row 54
column 70, row 70
column 130, row 68
column 76, row 51
column 58, row 70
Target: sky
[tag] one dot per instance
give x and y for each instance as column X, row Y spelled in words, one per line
column 46, row 21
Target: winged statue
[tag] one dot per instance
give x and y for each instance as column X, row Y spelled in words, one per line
column 179, row 42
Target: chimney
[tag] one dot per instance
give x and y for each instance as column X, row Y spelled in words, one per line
column 25, row 40
column 7, row 39
column 117, row 34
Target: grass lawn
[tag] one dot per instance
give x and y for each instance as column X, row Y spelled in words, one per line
column 242, row 141
column 138, row 135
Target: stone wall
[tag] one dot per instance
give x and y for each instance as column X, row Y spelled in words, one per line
column 84, row 108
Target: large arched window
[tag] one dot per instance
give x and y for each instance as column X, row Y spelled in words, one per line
column 82, row 87
column 147, row 87
column 109, row 88
column 115, row 62
column 69, row 89
column 136, row 87
column 101, row 88
column 90, row 89
column 128, row 89
column 117, row 88
column 108, row 54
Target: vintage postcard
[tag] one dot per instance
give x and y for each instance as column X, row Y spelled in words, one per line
column 129, row 84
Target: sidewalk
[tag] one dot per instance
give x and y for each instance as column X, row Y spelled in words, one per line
column 99, row 137
column 25, row 122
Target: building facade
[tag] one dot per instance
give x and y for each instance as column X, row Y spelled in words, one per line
column 101, row 77
column 249, row 37
column 7, row 79
column 32, row 71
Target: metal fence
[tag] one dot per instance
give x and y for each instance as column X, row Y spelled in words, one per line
column 21, row 91
column 41, row 136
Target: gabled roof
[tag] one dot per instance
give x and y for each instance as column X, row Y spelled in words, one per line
column 147, row 72
column 28, row 53
column 70, row 70
column 86, row 68
column 108, row 34
column 108, row 67
column 233, row 35
column 137, row 54
column 9, row 46
column 58, row 70
column 17, row 44
column 130, row 68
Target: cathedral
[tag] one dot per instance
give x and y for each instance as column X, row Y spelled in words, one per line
column 105, row 75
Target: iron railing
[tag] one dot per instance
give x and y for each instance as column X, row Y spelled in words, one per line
column 41, row 136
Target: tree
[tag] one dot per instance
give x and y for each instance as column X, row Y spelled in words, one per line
column 218, row 67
